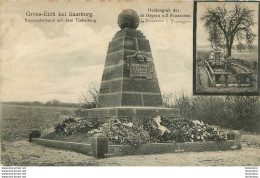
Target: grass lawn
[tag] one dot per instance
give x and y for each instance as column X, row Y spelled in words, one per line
column 247, row 56
column 18, row 120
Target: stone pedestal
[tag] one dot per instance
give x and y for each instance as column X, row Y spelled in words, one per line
column 237, row 136
column 99, row 145
column 118, row 88
column 131, row 112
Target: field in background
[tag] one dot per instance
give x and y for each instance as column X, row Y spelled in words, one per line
column 247, row 56
column 17, row 120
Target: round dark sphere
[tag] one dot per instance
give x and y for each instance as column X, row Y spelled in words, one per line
column 128, row 18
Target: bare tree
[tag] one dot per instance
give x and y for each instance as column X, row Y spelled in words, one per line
column 90, row 95
column 181, row 101
column 229, row 24
column 168, row 99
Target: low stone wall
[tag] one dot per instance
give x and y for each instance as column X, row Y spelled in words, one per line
column 234, row 142
column 159, row 148
column 72, row 146
column 239, row 72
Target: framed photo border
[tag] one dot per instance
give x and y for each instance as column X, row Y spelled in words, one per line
column 195, row 92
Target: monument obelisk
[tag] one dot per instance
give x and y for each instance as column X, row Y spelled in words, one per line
column 129, row 86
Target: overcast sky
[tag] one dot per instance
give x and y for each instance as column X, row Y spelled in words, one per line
column 44, row 61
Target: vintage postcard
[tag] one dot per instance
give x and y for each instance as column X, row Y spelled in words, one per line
column 110, row 83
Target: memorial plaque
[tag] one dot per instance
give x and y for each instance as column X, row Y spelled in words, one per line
column 141, row 70
column 139, row 66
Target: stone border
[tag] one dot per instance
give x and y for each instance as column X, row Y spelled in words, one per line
column 72, row 146
column 160, row 148
column 134, row 112
column 234, row 142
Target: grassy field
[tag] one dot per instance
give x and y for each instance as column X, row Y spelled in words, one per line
column 17, row 120
column 247, row 56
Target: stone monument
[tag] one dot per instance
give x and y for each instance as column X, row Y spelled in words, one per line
column 129, row 86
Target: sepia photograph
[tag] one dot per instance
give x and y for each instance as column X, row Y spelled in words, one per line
column 111, row 83
column 227, row 58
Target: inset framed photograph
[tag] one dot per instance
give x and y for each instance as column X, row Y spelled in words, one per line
column 226, row 50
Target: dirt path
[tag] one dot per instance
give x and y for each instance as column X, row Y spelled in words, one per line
column 23, row 153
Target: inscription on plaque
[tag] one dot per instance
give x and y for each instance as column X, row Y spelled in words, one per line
column 139, row 66
column 141, row 70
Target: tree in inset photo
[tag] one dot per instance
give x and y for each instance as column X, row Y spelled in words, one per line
column 225, row 26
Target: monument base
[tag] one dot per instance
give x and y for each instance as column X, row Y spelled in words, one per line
column 134, row 112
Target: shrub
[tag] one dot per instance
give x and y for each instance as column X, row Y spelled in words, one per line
column 124, row 132
column 70, row 126
column 163, row 130
column 65, row 125
column 156, row 130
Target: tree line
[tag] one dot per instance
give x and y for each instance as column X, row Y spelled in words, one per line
column 51, row 103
